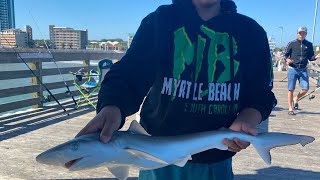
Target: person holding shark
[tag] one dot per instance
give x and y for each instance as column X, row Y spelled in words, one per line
column 191, row 61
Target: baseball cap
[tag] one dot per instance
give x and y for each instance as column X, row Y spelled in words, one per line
column 302, row 28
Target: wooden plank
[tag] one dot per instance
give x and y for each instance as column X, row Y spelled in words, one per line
column 54, row 71
column 63, row 95
column 8, row 56
column 315, row 68
column 72, row 56
column 34, row 55
column 83, row 56
column 57, row 85
column 18, row 91
column 31, row 89
column 66, row 96
column 314, row 74
column 314, row 81
column 6, row 75
column 12, row 57
column 18, row 104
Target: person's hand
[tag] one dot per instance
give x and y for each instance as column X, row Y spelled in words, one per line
column 289, row 61
column 245, row 122
column 317, row 56
column 107, row 121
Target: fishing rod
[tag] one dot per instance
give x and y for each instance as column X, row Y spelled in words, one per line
column 54, row 61
column 34, row 74
column 311, row 96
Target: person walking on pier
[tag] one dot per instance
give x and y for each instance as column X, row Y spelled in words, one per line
column 297, row 54
column 192, row 62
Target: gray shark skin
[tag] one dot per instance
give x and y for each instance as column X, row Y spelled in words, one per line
column 136, row 148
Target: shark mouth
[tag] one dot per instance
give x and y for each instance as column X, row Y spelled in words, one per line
column 72, row 163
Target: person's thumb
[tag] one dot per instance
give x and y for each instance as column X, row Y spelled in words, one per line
column 105, row 138
column 107, row 132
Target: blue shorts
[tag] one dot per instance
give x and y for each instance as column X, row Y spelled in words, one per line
column 298, row 74
column 191, row 171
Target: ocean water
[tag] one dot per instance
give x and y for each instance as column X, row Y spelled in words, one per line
column 15, row 83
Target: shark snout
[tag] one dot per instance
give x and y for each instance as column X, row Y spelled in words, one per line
column 57, row 158
column 49, row 159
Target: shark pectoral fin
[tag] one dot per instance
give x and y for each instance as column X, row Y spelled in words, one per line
column 135, row 127
column 141, row 154
column 120, row 172
column 183, row 162
column 263, row 146
column 264, row 153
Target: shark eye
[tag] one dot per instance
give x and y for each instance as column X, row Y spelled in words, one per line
column 74, row 146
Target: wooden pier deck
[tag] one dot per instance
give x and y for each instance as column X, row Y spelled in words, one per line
column 25, row 134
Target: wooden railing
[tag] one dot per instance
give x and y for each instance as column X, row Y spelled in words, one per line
column 314, row 73
column 35, row 60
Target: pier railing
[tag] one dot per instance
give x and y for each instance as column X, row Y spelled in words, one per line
column 314, row 73
column 35, row 60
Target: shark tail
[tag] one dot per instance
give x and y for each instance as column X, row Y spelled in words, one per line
column 265, row 142
column 306, row 140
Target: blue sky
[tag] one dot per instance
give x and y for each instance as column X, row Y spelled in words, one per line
column 117, row 18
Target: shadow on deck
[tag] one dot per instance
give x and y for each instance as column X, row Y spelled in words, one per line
column 267, row 173
column 20, row 123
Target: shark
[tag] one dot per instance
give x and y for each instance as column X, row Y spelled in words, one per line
column 135, row 148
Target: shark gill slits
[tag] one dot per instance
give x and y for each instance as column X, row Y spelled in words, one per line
column 74, row 146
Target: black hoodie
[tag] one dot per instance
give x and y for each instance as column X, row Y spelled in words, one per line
column 192, row 79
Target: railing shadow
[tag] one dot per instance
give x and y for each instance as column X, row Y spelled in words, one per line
column 25, row 122
column 277, row 172
column 278, row 108
column 271, row 173
column 308, row 113
column 130, row 178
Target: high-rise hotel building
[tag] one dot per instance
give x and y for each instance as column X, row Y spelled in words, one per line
column 7, row 18
column 68, row 38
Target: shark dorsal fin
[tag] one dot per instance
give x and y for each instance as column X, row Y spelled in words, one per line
column 141, row 154
column 120, row 172
column 183, row 162
column 135, row 127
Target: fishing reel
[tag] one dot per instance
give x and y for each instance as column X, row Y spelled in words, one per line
column 80, row 73
column 311, row 97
